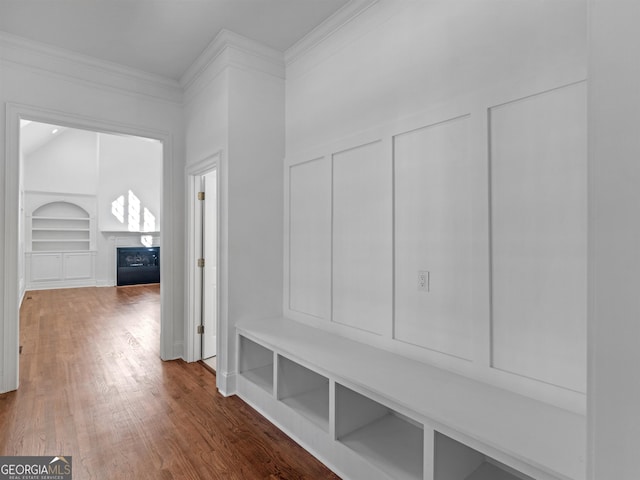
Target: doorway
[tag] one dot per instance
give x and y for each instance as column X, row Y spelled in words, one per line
column 209, row 294
column 14, row 227
column 203, row 253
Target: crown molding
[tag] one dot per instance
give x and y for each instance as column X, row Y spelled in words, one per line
column 78, row 67
column 247, row 53
column 326, row 29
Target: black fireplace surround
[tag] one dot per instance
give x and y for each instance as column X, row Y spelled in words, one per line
column 138, row 265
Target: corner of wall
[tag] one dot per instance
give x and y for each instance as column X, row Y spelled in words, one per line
column 226, row 383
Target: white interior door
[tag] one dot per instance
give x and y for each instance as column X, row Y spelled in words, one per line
column 209, row 271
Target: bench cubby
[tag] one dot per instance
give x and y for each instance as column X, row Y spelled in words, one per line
column 369, row 413
column 304, row 391
column 256, row 363
column 384, row 437
column 456, row 461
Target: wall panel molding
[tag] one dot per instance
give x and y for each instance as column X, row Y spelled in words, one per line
column 539, row 232
column 477, row 358
column 434, row 235
column 362, row 238
column 309, row 237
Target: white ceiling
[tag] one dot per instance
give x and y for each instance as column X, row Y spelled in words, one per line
column 163, row 37
column 34, row 135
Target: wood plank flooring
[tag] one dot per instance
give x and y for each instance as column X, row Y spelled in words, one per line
column 92, row 386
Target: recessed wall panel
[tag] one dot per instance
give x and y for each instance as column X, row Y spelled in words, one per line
column 362, row 238
column 78, row 266
column 434, row 214
column 539, row 236
column 46, row 266
column 310, row 238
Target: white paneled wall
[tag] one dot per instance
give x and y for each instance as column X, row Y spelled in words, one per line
column 539, row 236
column 362, row 238
column 487, row 196
column 434, row 210
column 310, row 238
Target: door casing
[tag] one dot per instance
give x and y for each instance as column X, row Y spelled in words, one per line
column 9, row 324
column 194, row 247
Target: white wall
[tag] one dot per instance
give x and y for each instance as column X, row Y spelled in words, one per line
column 399, row 58
column 255, row 198
column 206, row 117
column 614, row 233
column 235, row 106
column 129, row 164
column 66, row 164
column 407, row 134
column 57, row 88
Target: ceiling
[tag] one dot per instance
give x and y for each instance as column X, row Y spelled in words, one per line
column 163, row 37
column 34, row 135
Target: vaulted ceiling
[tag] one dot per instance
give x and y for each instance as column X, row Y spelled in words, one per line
column 162, row 37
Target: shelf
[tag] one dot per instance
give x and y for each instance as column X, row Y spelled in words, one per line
column 86, row 219
column 54, row 229
column 63, row 240
column 382, row 436
column 60, row 245
column 256, row 364
column 304, row 391
column 60, row 226
column 82, row 250
column 261, row 376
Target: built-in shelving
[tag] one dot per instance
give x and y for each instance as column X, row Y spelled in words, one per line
column 393, row 418
column 60, row 241
column 391, row 441
column 305, row 391
column 256, row 364
column 59, row 227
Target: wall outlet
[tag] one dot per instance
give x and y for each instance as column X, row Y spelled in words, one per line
column 423, row 281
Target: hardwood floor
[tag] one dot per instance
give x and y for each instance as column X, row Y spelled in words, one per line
column 92, row 386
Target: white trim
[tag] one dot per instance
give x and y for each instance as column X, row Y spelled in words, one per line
column 10, row 321
column 271, row 60
column 327, row 28
column 178, row 349
column 226, row 383
column 193, row 281
column 85, row 69
column 85, row 195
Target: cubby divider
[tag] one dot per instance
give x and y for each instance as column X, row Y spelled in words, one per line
column 383, row 436
column 305, row 391
column 256, row 363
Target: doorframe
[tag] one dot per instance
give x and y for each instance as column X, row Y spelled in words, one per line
column 10, row 323
column 194, row 243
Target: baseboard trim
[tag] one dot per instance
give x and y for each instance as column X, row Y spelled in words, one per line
column 226, row 383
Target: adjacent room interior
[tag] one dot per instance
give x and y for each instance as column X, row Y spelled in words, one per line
column 90, row 207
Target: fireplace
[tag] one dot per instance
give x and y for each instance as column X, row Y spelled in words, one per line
column 137, row 265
